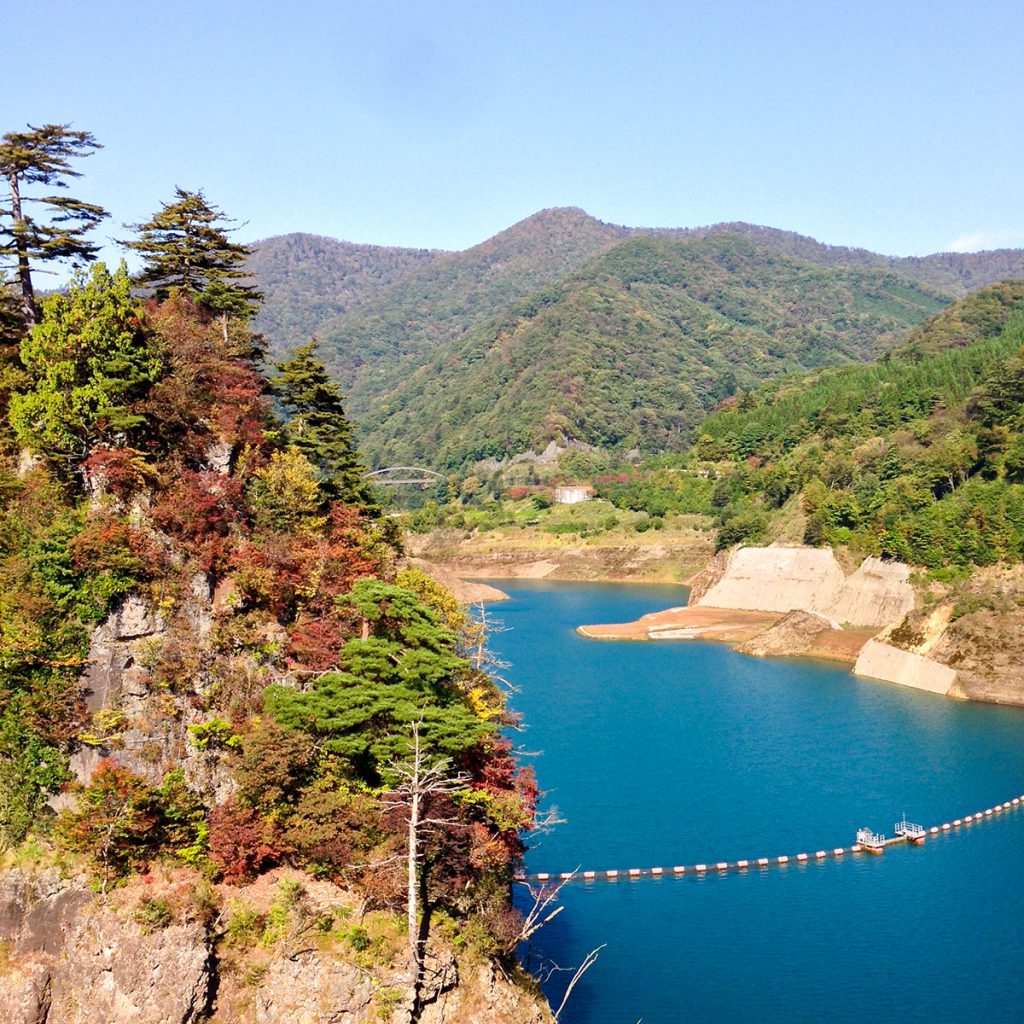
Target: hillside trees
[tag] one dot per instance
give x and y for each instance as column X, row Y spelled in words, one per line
column 42, row 156
column 317, row 425
column 89, row 360
column 185, row 245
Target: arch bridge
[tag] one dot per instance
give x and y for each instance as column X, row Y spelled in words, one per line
column 392, row 475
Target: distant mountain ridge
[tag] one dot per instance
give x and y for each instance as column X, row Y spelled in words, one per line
column 390, row 319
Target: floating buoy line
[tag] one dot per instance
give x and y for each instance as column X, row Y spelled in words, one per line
column 868, row 842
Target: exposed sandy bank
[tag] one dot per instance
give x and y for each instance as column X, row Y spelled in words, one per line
column 688, row 623
column 668, row 556
column 465, row 591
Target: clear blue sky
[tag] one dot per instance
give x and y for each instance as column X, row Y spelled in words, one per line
column 898, row 126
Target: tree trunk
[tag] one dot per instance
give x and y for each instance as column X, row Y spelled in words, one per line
column 28, row 295
column 415, row 957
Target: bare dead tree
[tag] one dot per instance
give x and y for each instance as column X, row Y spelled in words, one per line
column 481, row 657
column 422, row 779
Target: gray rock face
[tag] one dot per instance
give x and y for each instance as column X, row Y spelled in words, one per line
column 75, row 957
column 218, row 457
column 75, row 961
column 308, row 989
column 112, row 971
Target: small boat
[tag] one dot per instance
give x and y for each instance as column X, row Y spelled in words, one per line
column 908, row 830
column 870, row 841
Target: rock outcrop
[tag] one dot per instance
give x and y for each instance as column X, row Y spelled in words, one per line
column 75, row 960
column 794, row 634
column 880, row 660
column 72, row 956
column 781, row 579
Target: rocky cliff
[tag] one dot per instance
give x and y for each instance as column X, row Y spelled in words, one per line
column 290, row 950
column 782, row 579
column 963, row 641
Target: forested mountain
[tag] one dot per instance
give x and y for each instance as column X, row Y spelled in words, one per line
column 642, row 343
column 634, row 349
column 919, row 457
column 437, row 301
column 307, row 279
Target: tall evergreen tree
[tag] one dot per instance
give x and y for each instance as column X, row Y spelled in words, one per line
column 186, row 246
column 88, row 362
column 318, row 426
column 41, row 156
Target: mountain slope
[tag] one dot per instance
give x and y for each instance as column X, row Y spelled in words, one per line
column 307, row 279
column 437, row 301
column 634, row 349
column 919, row 457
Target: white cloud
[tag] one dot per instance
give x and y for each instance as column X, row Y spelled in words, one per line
column 977, row 240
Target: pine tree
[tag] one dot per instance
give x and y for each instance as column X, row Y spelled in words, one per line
column 88, row 363
column 318, row 426
column 41, row 156
column 186, row 246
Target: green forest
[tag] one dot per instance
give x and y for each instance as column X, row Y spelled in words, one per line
column 294, row 687
column 918, row 456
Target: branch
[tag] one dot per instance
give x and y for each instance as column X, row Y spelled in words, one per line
column 589, row 962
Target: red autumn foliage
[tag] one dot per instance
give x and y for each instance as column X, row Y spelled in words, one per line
column 242, row 843
column 315, row 642
column 202, row 509
column 110, row 545
column 121, row 471
column 209, row 393
column 115, row 823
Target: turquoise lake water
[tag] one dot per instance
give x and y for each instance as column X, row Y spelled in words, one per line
column 682, row 753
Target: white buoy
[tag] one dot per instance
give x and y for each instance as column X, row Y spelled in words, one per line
column 678, row 870
column 856, row 848
column 934, row 830
column 821, row 855
column 612, row 874
column 801, row 856
column 946, row 826
column 722, row 865
column 762, row 862
column 839, row 851
column 634, row 872
column 543, row 877
column 656, row 871
column 589, row 874
column 701, row 867
column 783, row 859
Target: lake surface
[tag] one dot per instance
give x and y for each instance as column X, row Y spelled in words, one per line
column 682, row 753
